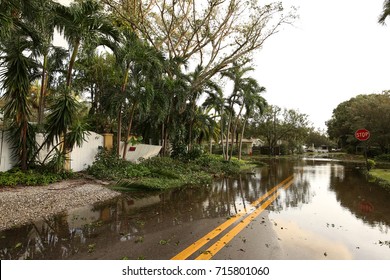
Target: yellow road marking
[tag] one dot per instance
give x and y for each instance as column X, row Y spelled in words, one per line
column 216, row 247
column 205, row 239
column 264, row 196
column 215, row 232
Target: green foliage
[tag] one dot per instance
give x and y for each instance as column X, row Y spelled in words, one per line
column 109, row 166
column 371, row 164
column 16, row 177
column 277, row 124
column 381, row 177
column 368, row 111
column 160, row 172
column 180, row 152
column 217, row 165
column 383, row 157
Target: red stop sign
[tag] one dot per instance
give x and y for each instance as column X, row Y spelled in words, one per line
column 362, row 134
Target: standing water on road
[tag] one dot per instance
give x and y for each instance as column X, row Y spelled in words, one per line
column 331, row 211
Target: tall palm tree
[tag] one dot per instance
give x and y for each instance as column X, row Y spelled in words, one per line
column 216, row 101
column 19, row 70
column 237, row 75
column 195, row 92
column 53, row 63
column 145, row 71
column 174, row 90
column 44, row 24
column 82, row 22
column 252, row 101
column 205, row 126
column 124, row 52
column 18, row 42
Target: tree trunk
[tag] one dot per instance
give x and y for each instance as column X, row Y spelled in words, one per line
column 41, row 106
column 24, row 154
column 235, row 130
column 119, row 131
column 166, row 141
column 227, row 136
column 129, row 130
column 71, row 64
column 222, row 125
column 242, row 135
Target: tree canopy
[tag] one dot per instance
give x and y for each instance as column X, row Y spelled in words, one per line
column 369, row 111
column 160, row 61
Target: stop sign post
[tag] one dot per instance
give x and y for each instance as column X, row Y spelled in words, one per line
column 363, row 135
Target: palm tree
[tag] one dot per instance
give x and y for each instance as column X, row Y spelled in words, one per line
column 173, row 89
column 44, row 24
column 18, row 42
column 18, row 72
column 53, row 63
column 216, row 101
column 64, row 115
column 196, row 90
column 123, row 51
column 205, row 126
column 252, row 101
column 237, row 75
column 145, row 71
column 82, row 22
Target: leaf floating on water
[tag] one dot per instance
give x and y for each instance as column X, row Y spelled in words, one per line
column 91, row 248
column 164, row 242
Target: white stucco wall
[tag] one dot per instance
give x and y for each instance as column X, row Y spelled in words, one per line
column 139, row 151
column 6, row 161
column 82, row 157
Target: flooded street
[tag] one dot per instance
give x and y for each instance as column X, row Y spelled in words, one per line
column 328, row 211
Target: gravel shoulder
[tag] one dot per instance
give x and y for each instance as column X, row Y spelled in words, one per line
column 21, row 205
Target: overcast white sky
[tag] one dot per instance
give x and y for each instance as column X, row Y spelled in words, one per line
column 336, row 50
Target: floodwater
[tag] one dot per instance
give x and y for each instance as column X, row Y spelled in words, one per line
column 330, row 212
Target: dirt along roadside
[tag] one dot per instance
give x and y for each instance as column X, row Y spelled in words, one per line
column 24, row 204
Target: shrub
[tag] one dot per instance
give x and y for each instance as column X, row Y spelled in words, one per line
column 161, row 172
column 16, row 177
column 370, row 164
column 383, row 157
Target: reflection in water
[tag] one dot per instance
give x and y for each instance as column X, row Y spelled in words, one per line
column 364, row 199
column 320, row 190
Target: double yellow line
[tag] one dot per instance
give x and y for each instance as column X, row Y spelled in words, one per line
column 272, row 194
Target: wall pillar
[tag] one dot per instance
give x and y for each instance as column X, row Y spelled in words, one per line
column 108, row 140
column 68, row 158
